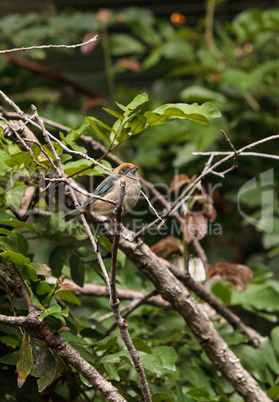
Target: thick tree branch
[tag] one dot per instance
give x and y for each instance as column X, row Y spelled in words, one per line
column 89, row 289
column 55, row 341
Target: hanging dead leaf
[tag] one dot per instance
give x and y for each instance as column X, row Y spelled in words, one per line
column 103, row 15
column 26, row 200
column 167, row 246
column 209, row 211
column 85, row 49
column 129, row 64
column 237, row 274
column 194, row 225
column 47, row 270
column 179, row 180
column 65, row 329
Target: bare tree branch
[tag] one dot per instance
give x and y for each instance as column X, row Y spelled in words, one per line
column 114, row 302
column 18, row 49
column 55, row 341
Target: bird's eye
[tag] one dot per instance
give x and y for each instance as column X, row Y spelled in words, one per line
column 124, row 169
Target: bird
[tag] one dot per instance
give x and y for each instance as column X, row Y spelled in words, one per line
column 110, row 188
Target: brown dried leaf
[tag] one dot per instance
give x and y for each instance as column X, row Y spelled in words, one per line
column 103, row 15
column 194, row 225
column 129, row 64
column 179, row 180
column 209, row 211
column 237, row 274
column 167, row 246
column 47, row 270
column 85, row 49
column 201, row 226
column 65, row 329
column 186, row 227
column 26, row 200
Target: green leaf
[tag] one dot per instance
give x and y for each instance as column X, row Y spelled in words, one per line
column 114, row 113
column 30, row 273
column 122, row 107
column 104, row 125
column 141, row 345
column 85, row 381
column 275, row 338
column 199, row 393
column 21, row 158
column 74, row 339
column 123, row 134
column 98, row 130
column 168, row 356
column 137, row 101
column 273, row 392
column 197, row 93
column 67, row 296
column 8, row 244
column 178, row 49
column 15, row 257
column 43, row 288
column 56, row 260
column 154, row 119
column 77, row 270
column 152, row 362
column 269, row 355
column 6, row 232
column 207, row 109
column 10, row 358
column 121, row 44
column 72, row 136
column 260, row 296
column 222, row 290
column 4, row 168
column 56, row 312
column 162, row 397
column 138, row 124
column 112, row 371
column 106, row 343
column 72, row 167
column 44, row 364
column 36, row 150
column 123, row 355
column 25, row 362
column 22, row 244
column 15, row 223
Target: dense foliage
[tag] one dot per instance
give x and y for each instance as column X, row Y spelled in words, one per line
column 196, row 75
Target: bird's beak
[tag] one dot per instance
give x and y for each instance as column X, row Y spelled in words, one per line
column 134, row 169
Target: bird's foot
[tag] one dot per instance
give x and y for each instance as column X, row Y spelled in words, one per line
column 116, row 210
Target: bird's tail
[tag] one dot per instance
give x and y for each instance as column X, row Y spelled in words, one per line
column 72, row 215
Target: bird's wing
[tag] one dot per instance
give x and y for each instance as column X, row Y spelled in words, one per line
column 103, row 188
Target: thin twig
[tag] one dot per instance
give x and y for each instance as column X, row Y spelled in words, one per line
column 18, row 49
column 78, row 189
column 114, row 302
column 220, row 153
column 190, row 187
column 129, row 310
column 41, row 126
column 151, row 206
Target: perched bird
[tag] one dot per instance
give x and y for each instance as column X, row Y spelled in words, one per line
column 110, row 188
